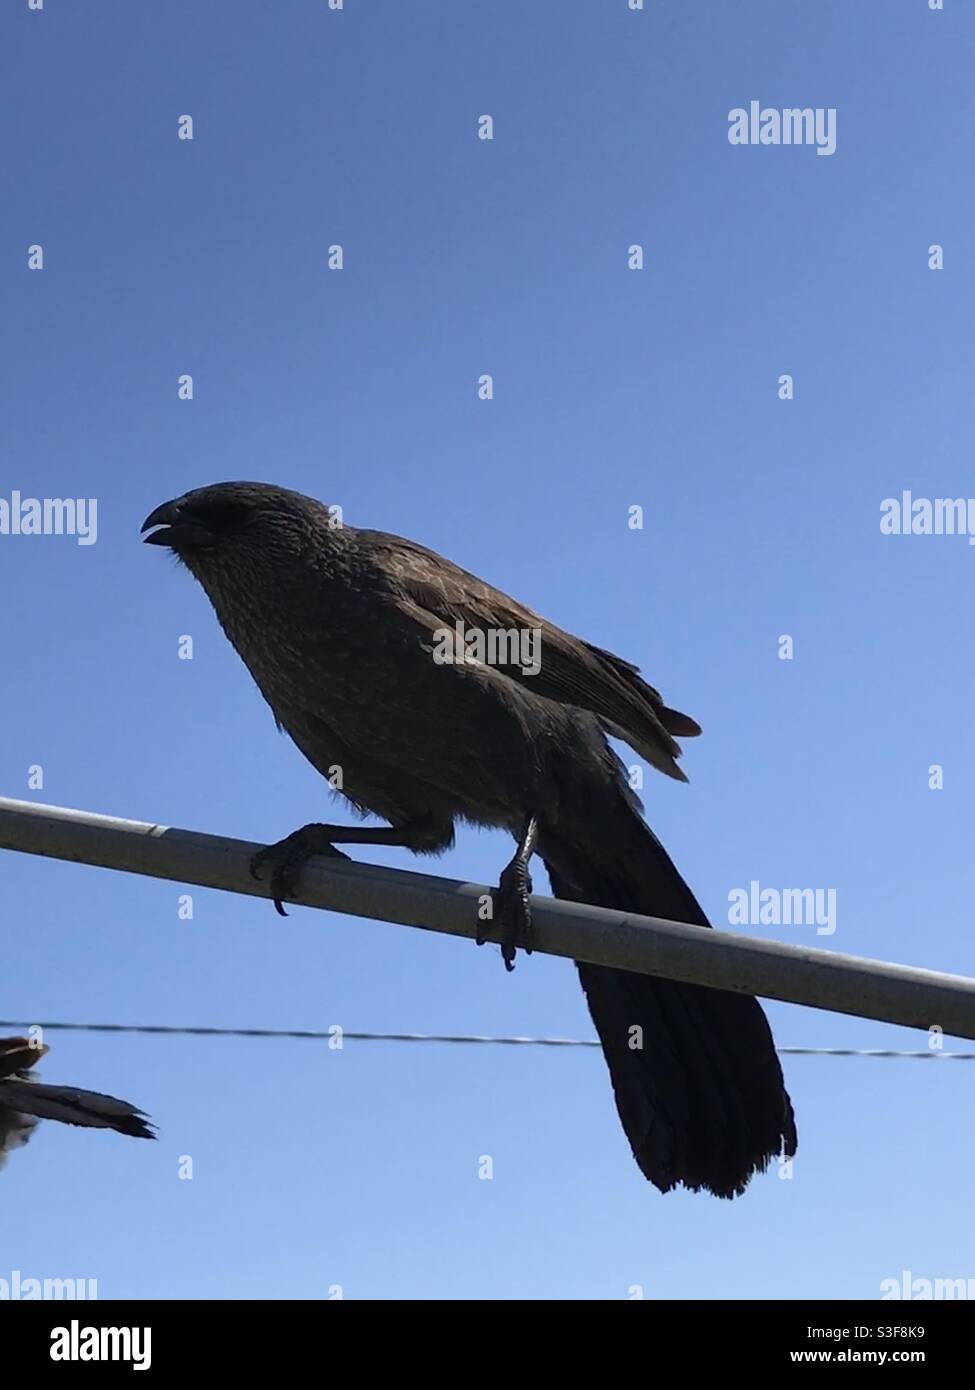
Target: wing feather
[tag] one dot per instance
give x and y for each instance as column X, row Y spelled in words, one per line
column 434, row 593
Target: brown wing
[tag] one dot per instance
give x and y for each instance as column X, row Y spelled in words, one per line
column 437, row 594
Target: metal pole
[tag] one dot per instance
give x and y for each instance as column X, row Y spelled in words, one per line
column 677, row 951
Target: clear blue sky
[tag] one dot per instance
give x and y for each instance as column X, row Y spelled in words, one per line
column 612, row 388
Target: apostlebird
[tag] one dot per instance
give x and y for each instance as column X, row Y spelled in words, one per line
column 24, row 1101
column 365, row 645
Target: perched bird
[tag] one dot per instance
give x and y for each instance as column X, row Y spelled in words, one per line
column 24, row 1101
column 346, row 633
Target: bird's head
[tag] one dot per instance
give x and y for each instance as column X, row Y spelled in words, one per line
column 230, row 527
column 18, row 1055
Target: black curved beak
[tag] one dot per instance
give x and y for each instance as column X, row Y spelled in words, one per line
column 165, row 516
column 176, row 527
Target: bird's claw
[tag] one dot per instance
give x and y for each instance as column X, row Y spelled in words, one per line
column 287, row 858
column 512, row 910
column 285, row 871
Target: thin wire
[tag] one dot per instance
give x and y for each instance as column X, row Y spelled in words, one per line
column 326, row 1036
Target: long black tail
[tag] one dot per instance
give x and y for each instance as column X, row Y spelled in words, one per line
column 695, row 1074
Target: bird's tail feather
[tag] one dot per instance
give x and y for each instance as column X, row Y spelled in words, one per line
column 72, row 1106
column 694, row 1071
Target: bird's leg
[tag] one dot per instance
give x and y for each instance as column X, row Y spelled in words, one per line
column 288, row 857
column 512, row 906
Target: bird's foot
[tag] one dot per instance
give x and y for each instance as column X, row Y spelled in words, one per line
column 289, row 856
column 512, row 911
